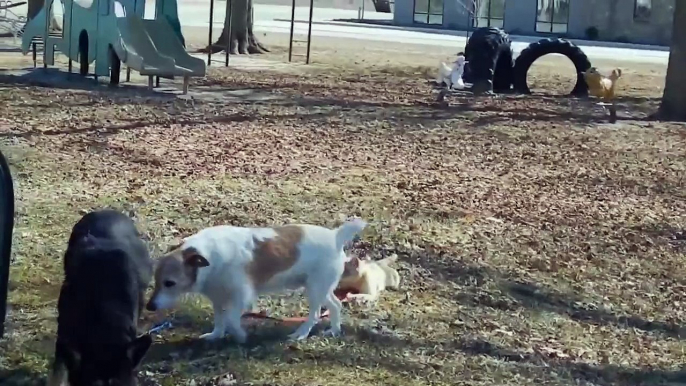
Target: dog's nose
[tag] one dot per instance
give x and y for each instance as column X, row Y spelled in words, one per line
column 151, row 306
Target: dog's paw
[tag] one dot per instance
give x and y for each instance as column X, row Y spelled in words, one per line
column 214, row 335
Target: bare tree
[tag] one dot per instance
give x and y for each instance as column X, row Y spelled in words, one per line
column 241, row 35
column 473, row 8
column 673, row 105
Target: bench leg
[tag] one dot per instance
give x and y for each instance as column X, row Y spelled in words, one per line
column 35, row 64
column 128, row 74
column 150, row 82
column 186, row 81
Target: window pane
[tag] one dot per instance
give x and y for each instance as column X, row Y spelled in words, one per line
column 543, row 27
column 483, row 22
column 497, row 8
column 559, row 28
column 436, row 7
column 481, row 8
column 436, row 19
column 642, row 9
column 545, row 10
column 421, row 18
column 561, row 11
column 421, row 6
column 497, row 23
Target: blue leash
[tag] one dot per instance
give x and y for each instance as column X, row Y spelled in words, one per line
column 160, row 327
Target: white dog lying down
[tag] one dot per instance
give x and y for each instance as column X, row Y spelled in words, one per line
column 452, row 76
column 366, row 279
column 233, row 265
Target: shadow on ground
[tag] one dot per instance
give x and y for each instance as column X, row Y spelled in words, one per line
column 532, row 296
column 597, row 375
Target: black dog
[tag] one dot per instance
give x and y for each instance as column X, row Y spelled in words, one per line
column 107, row 270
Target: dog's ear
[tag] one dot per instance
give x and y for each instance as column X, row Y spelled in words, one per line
column 138, row 348
column 193, row 258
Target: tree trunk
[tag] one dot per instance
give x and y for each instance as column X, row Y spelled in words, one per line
column 241, row 39
column 35, row 6
column 673, row 105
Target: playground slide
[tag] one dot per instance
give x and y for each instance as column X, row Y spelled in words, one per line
column 150, row 48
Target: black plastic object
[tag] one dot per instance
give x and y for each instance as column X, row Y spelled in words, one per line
column 489, row 56
column 83, row 53
column 115, row 67
column 6, row 227
column 551, row 46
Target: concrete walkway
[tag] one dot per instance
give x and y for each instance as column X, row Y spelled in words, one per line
column 276, row 19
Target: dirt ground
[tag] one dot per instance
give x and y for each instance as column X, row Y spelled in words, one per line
column 537, row 243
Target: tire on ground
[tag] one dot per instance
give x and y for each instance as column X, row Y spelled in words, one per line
column 551, row 46
column 489, row 56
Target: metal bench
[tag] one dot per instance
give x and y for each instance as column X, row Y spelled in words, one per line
column 38, row 41
column 6, row 227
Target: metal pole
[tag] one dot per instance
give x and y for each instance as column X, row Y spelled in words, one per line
column 47, row 35
column 6, row 226
column 362, row 18
column 309, row 32
column 209, row 38
column 290, row 42
column 71, row 15
column 229, row 15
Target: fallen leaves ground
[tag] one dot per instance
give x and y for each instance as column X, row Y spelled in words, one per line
column 538, row 244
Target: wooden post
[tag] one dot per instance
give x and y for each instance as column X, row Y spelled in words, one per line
column 186, row 81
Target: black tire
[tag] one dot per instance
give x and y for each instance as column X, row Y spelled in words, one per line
column 489, row 56
column 551, row 46
column 83, row 53
column 6, row 227
column 115, row 67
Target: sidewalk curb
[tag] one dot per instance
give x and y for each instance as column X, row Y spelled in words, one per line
column 515, row 38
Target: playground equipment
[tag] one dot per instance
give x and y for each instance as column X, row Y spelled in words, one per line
column 6, row 226
column 491, row 67
column 308, row 42
column 9, row 21
column 108, row 36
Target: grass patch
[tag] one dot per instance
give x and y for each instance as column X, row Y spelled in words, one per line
column 537, row 244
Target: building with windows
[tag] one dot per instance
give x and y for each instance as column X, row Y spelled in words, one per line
column 630, row 21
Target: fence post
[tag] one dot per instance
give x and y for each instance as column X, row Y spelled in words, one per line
column 6, row 227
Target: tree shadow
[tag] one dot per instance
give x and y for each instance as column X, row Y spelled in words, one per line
column 576, row 371
column 54, row 78
column 134, row 124
column 533, row 296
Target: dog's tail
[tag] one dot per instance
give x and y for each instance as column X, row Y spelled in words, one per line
column 347, row 232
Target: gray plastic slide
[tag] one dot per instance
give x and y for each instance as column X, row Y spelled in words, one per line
column 150, row 47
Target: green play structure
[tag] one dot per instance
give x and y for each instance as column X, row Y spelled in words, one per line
column 112, row 32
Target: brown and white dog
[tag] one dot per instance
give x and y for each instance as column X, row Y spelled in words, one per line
column 233, row 265
column 366, row 279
